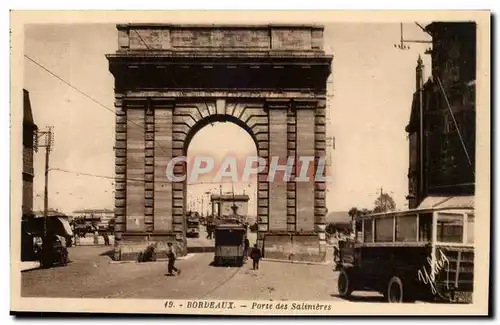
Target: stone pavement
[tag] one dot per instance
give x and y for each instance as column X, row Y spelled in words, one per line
column 91, row 275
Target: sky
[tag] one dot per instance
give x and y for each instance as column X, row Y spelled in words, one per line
column 370, row 93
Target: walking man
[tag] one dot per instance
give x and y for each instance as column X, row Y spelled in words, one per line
column 256, row 255
column 106, row 238
column 247, row 248
column 171, row 260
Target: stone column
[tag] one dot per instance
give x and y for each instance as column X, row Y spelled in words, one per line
column 149, row 156
column 305, row 148
column 291, row 186
column 120, row 171
column 320, row 187
column 263, row 188
column 135, row 170
column 278, row 118
column 162, row 132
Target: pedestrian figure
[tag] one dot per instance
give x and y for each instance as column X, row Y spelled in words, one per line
column 171, row 260
column 106, row 238
column 210, row 230
column 247, row 248
column 256, row 255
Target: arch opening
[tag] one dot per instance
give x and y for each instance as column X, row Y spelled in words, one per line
column 211, row 199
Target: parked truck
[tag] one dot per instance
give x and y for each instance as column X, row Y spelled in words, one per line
column 425, row 254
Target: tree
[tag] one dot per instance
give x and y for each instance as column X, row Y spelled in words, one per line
column 330, row 228
column 353, row 212
column 384, row 203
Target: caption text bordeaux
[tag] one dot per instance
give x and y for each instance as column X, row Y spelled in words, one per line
column 259, row 306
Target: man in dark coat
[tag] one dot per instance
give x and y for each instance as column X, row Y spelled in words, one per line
column 246, row 247
column 256, row 255
column 171, row 260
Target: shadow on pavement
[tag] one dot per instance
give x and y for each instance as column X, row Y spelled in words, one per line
column 200, row 249
column 55, row 266
column 360, row 298
column 110, row 253
column 213, row 264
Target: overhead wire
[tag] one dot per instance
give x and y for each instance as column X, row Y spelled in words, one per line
column 133, row 179
column 86, row 95
column 448, row 105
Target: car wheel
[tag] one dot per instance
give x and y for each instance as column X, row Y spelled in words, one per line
column 395, row 290
column 344, row 283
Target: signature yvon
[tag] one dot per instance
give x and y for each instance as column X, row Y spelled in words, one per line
column 435, row 268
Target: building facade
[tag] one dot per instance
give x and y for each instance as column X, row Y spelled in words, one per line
column 442, row 125
column 172, row 80
column 29, row 134
column 103, row 215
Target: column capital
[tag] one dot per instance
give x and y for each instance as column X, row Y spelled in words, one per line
column 162, row 102
column 278, row 103
column 133, row 102
column 305, row 103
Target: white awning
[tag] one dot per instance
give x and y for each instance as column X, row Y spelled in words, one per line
column 447, row 202
column 66, row 225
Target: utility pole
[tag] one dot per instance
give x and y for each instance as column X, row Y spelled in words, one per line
column 220, row 200
column 382, row 198
column 49, row 143
column 208, row 194
column 420, row 81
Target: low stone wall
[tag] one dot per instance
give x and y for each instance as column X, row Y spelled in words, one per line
column 129, row 246
column 293, row 247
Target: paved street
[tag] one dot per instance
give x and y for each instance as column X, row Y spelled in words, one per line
column 91, row 275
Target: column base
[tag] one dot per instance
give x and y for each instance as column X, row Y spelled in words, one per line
column 128, row 246
column 293, row 246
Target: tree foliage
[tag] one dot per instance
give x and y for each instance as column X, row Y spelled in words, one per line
column 355, row 212
column 384, row 203
column 330, row 228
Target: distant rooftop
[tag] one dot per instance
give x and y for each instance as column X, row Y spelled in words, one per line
column 340, row 217
column 94, row 211
column 229, row 197
column 50, row 213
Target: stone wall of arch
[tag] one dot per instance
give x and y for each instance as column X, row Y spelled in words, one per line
column 152, row 131
column 268, row 79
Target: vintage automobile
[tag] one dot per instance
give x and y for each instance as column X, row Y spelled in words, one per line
column 193, row 225
column 425, row 254
column 229, row 244
column 47, row 239
column 53, row 252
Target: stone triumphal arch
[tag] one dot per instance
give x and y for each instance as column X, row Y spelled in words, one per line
column 171, row 80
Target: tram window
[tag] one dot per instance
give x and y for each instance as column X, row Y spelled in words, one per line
column 425, row 227
column 406, row 228
column 228, row 238
column 384, row 229
column 450, row 228
column 470, row 229
column 368, row 233
column 359, row 234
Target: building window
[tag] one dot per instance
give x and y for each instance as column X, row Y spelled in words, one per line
column 449, row 126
